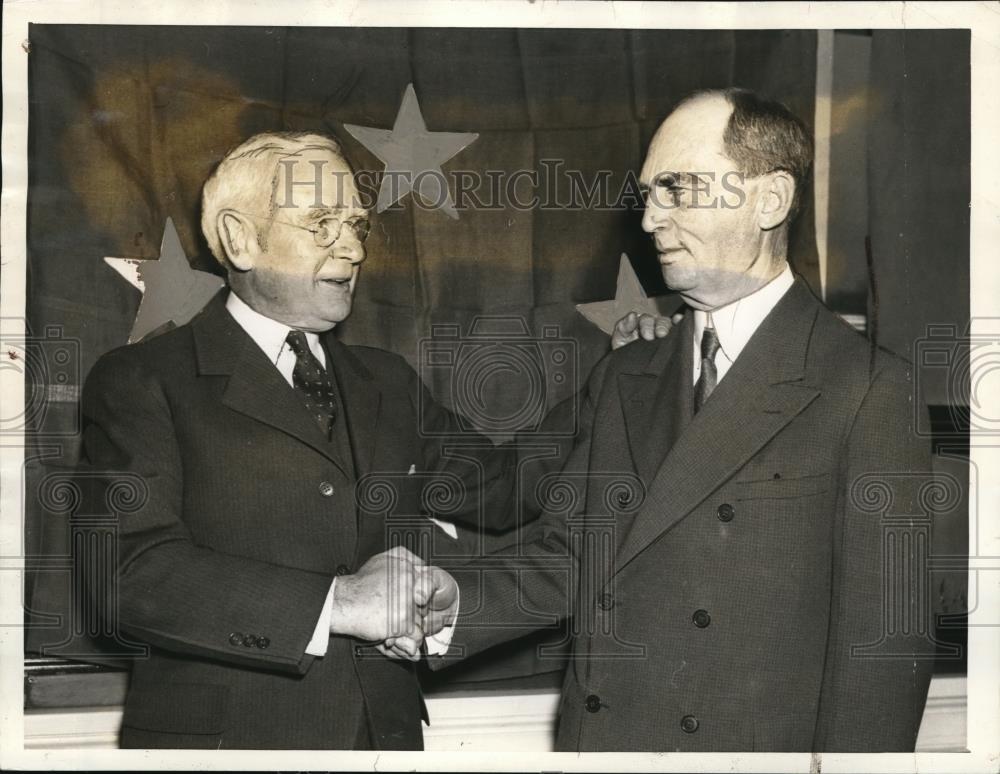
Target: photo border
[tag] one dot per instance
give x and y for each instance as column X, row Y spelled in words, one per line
column 983, row 19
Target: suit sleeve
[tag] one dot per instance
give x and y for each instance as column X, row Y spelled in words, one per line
column 169, row 591
column 875, row 683
column 487, row 474
column 530, row 583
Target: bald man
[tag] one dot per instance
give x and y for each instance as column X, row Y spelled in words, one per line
column 729, row 582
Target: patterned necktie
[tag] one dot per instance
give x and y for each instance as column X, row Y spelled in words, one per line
column 709, row 376
column 311, row 380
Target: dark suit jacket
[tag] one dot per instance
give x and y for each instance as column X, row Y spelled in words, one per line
column 724, row 571
column 250, row 513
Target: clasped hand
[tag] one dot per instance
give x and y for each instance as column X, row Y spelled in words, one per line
column 395, row 600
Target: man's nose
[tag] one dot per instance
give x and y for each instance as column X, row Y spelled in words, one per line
column 349, row 248
column 654, row 217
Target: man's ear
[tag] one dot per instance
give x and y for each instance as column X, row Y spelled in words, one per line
column 778, row 193
column 239, row 239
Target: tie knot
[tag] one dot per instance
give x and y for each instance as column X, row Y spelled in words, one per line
column 296, row 341
column 709, row 344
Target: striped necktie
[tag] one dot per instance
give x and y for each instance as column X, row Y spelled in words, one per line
column 709, row 376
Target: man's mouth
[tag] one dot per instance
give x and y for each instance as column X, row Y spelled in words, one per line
column 342, row 282
column 667, row 252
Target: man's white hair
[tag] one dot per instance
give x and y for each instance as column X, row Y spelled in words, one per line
column 246, row 177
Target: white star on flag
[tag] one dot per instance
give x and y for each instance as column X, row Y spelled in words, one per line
column 412, row 156
column 172, row 292
column 629, row 297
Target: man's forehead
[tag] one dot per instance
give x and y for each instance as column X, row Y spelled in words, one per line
column 314, row 178
column 691, row 138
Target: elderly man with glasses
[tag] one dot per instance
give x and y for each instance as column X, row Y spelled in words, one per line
column 263, row 589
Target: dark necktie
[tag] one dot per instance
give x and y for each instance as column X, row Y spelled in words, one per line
column 314, row 383
column 709, row 376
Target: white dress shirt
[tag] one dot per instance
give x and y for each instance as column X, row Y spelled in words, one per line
column 271, row 336
column 735, row 323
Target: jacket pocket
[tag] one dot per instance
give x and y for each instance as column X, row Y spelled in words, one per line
column 782, row 488
column 177, row 709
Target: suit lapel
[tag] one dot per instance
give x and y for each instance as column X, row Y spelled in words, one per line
column 657, row 401
column 361, row 398
column 763, row 391
column 255, row 387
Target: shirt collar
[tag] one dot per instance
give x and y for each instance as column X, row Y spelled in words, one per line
column 735, row 323
column 268, row 334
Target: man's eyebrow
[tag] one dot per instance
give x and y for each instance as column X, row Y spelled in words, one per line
column 318, row 212
column 675, row 178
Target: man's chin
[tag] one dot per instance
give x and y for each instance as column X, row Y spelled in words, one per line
column 677, row 278
column 340, row 314
column 337, row 313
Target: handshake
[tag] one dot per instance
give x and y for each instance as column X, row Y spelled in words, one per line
column 394, row 601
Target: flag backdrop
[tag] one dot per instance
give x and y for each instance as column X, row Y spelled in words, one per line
column 127, row 122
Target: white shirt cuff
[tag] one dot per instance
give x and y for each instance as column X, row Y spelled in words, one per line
column 438, row 644
column 321, row 636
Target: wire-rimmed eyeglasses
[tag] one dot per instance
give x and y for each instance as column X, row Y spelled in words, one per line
column 326, row 230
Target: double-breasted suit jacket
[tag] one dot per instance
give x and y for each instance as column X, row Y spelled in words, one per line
column 734, row 584
column 248, row 515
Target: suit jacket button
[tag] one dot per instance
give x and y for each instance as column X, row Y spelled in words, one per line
column 592, row 703
column 701, row 618
column 326, row 489
column 235, row 638
column 249, row 641
column 606, row 601
column 689, row 724
column 263, row 642
column 726, row 512
column 343, row 569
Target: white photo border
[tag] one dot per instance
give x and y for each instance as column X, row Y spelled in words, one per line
column 983, row 19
